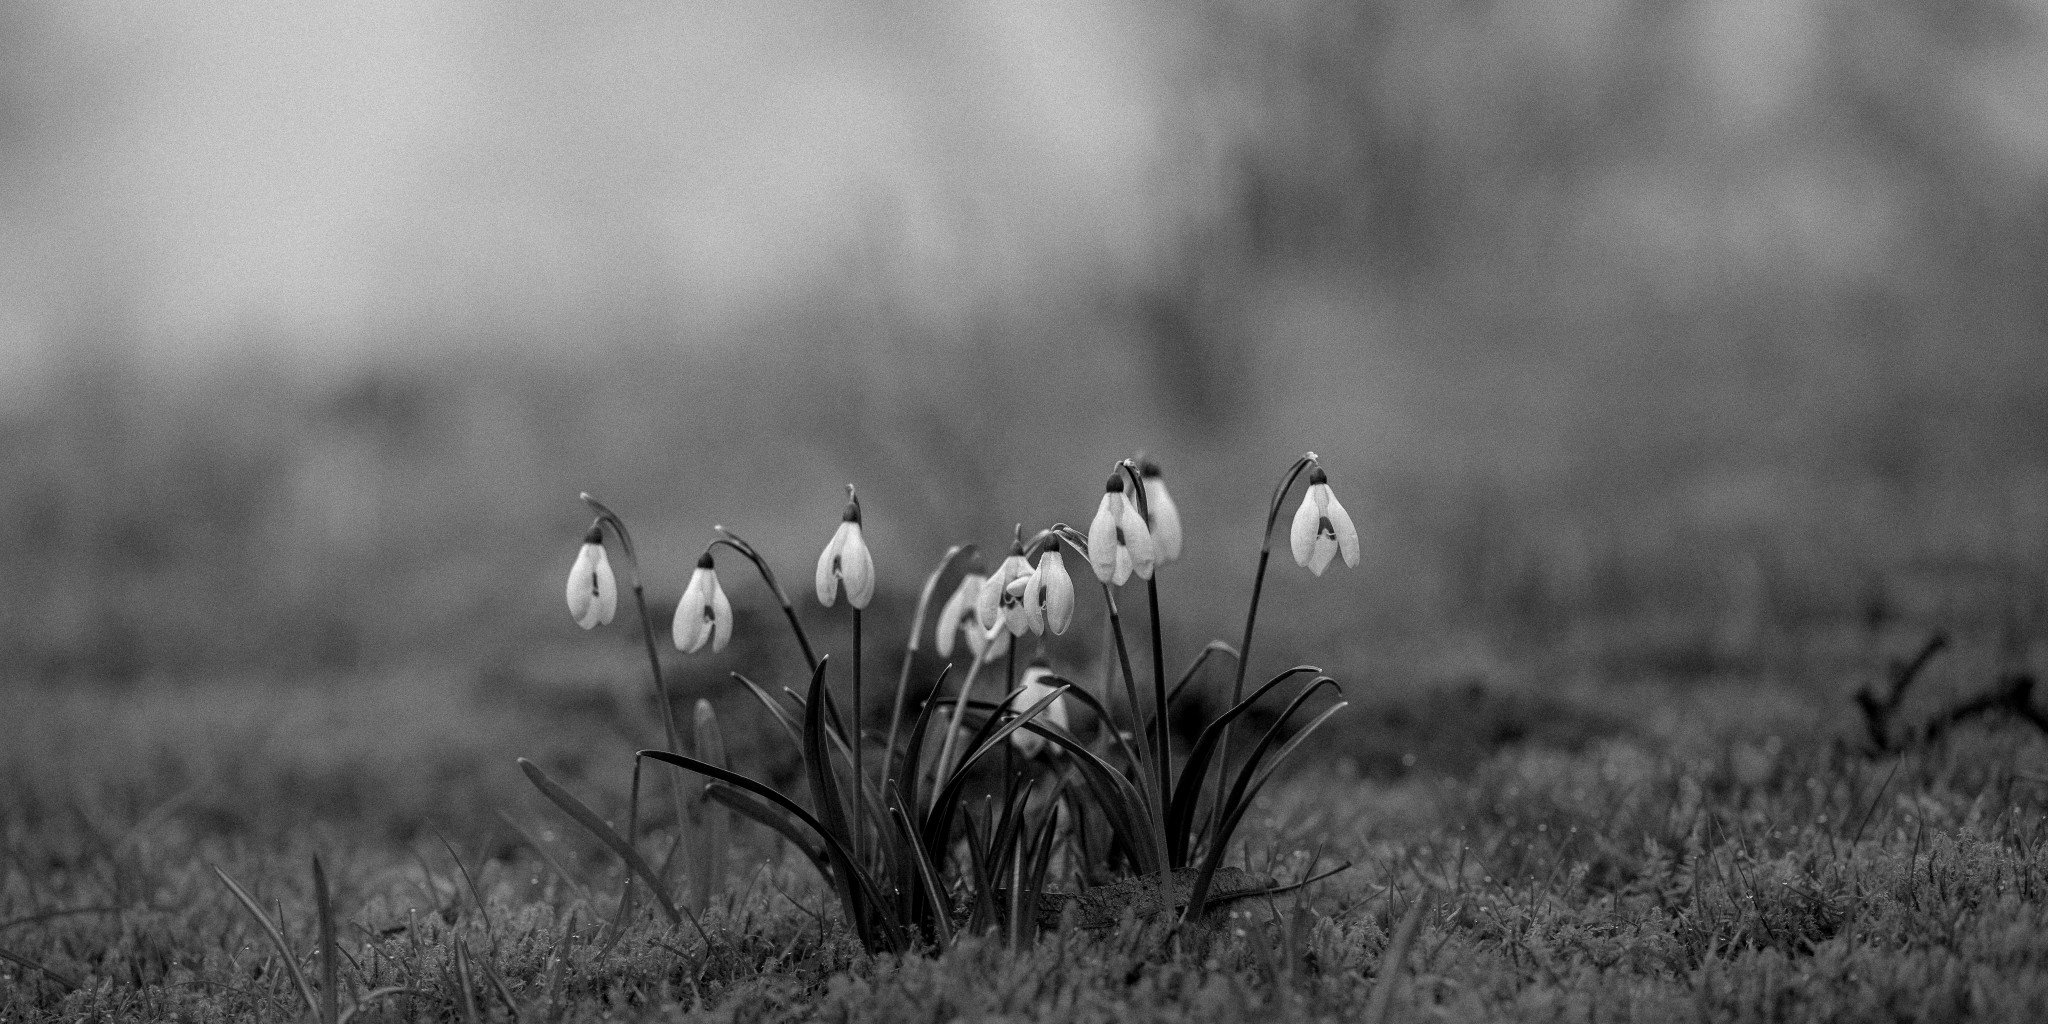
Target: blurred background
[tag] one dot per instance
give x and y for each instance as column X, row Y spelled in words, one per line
column 1641, row 339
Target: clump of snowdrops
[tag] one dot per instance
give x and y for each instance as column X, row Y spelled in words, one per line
column 887, row 820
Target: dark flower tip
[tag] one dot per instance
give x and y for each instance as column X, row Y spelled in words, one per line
column 594, row 535
column 1148, row 467
column 704, row 560
column 852, row 507
column 1116, row 483
column 1317, row 476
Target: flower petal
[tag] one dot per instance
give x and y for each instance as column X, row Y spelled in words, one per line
column 1102, row 543
column 988, row 605
column 1347, row 534
column 689, row 624
column 593, row 593
column 1165, row 520
column 857, row 567
column 828, row 566
column 965, row 597
column 1301, row 537
column 1058, row 588
column 1138, row 538
column 1034, row 598
column 1320, row 555
column 721, row 616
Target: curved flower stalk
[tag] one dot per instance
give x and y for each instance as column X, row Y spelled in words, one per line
column 593, row 590
column 747, row 551
column 606, row 517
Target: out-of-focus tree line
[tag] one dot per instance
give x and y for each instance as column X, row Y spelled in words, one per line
column 1713, row 322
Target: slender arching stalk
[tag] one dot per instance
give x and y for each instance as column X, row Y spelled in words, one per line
column 746, row 550
column 618, row 526
column 668, row 713
column 1149, row 786
column 1251, row 613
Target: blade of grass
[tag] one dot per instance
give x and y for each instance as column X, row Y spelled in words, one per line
column 276, row 936
column 1392, row 960
column 60, row 978
column 546, row 855
column 330, row 973
column 596, row 826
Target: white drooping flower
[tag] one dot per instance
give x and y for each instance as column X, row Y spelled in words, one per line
column 1322, row 528
column 1049, row 593
column 959, row 618
column 846, row 560
column 703, row 615
column 1118, row 541
column 1035, row 686
column 1163, row 515
column 593, row 592
column 1001, row 603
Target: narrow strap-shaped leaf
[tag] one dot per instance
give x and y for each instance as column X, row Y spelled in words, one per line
column 1180, row 819
column 605, row 834
column 839, row 854
column 1121, row 802
column 1101, row 710
column 775, row 818
column 928, row 875
column 910, row 773
column 1214, row 648
column 1242, row 795
column 826, row 797
column 276, row 936
column 992, row 733
column 907, row 765
column 775, row 710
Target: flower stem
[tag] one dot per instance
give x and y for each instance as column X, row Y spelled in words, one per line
column 860, row 818
column 1251, row 617
column 661, row 698
column 746, row 550
column 1163, row 743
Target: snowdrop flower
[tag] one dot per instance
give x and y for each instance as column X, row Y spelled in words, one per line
column 1322, row 528
column 593, row 593
column 1002, row 595
column 1163, row 516
column 1118, row 542
column 960, row 618
column 846, row 560
column 1049, row 593
column 704, row 613
column 1036, row 686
